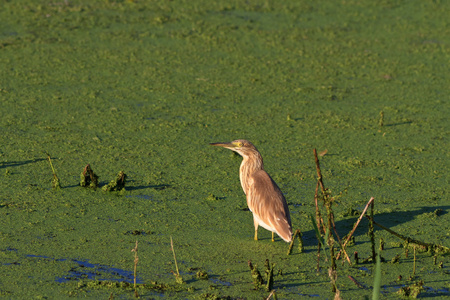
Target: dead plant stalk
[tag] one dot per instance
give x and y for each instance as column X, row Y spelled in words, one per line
column 356, row 225
column 136, row 259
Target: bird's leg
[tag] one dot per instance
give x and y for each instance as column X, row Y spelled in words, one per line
column 256, row 228
column 272, row 237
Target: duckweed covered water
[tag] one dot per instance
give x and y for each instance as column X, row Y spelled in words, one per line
column 144, row 86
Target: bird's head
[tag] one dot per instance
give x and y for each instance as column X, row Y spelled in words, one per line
column 243, row 147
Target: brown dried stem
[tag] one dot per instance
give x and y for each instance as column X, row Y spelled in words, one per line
column 271, row 294
column 356, row 225
column 356, row 282
column 319, row 219
column 136, row 259
column 328, row 201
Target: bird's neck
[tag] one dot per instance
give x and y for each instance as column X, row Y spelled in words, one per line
column 248, row 167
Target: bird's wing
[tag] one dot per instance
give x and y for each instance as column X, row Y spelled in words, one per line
column 266, row 201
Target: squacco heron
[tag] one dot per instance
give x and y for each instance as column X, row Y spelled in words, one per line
column 264, row 197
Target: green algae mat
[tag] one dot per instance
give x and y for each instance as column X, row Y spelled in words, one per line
column 143, row 87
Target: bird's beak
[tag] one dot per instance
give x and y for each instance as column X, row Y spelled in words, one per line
column 225, row 145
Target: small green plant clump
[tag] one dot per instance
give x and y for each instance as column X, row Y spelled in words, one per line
column 163, row 287
column 212, row 197
column 88, row 178
column 258, row 280
column 117, row 184
column 298, row 234
column 411, row 291
column 269, row 275
column 201, row 275
column 256, row 275
column 381, row 120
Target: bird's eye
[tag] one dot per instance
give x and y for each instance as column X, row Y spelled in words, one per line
column 241, row 144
